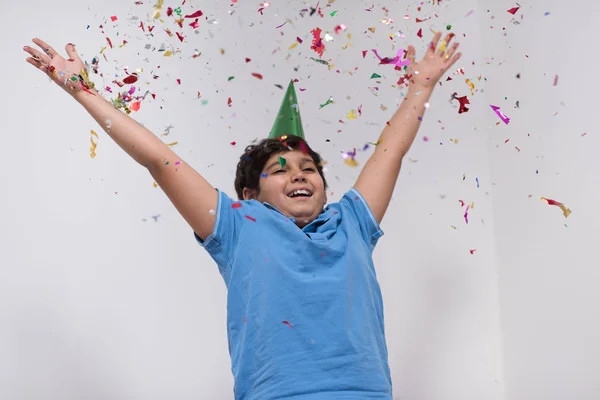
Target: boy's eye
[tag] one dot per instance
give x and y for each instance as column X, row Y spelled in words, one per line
column 309, row 169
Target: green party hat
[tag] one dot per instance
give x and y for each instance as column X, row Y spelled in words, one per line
column 288, row 121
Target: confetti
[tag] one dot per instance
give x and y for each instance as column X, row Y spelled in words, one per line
column 375, row 76
column 555, row 80
column 472, row 251
column 329, row 101
column 94, row 144
column 288, row 324
column 503, row 117
column 351, row 115
column 317, row 44
column 282, row 161
column 131, row 79
column 320, row 61
column 466, row 215
column 463, row 103
column 194, row 15
column 513, row 10
column 565, row 210
column 259, row 76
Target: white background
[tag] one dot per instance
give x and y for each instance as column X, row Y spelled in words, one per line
column 106, row 295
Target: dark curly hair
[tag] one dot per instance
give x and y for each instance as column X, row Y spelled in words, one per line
column 255, row 157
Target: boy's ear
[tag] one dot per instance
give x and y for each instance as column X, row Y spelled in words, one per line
column 249, row 194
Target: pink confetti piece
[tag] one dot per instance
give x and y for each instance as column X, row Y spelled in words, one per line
column 503, row 117
column 466, row 215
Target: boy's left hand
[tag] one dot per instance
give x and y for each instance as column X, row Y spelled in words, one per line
column 426, row 73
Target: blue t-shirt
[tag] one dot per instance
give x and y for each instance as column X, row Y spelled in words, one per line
column 304, row 308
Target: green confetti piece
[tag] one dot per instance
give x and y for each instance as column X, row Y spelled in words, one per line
column 329, row 101
column 204, row 102
column 375, row 76
column 230, row 78
column 333, row 13
column 282, row 161
column 448, row 27
column 320, row 61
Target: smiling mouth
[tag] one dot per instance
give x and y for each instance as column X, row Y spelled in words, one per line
column 300, row 193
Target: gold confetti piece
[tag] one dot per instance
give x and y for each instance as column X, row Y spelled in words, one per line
column 168, row 53
column 472, row 205
column 351, row 115
column 565, row 210
column 94, row 144
column 157, row 9
column 443, row 46
column 471, row 86
column 455, row 141
column 372, row 29
column 351, row 162
column 172, row 144
column 155, row 185
column 293, row 46
column 383, row 108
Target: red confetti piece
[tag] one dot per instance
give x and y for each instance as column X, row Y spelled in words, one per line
column 179, row 36
column 259, row 76
column 365, row 53
column 565, row 210
column 317, row 44
column 420, row 33
column 513, row 10
column 229, row 102
column 130, row 79
column 169, row 12
column 463, row 103
column 472, row 251
column 250, row 218
column 248, row 60
column 113, row 18
column 179, row 81
column 288, row 324
column 194, row 15
column 109, row 42
column 462, row 203
column 299, row 40
column 233, row 143
column 135, row 106
column 236, row 204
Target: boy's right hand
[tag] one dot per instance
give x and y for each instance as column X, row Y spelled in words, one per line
column 69, row 74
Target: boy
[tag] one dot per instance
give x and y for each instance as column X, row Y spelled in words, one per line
column 305, row 313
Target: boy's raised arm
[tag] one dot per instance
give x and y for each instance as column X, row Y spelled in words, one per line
column 378, row 177
column 189, row 192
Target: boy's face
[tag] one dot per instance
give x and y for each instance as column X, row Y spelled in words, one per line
column 279, row 184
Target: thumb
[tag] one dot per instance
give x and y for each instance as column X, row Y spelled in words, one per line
column 410, row 55
column 71, row 52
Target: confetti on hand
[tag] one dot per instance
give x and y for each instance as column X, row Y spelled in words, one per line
column 69, row 74
column 427, row 72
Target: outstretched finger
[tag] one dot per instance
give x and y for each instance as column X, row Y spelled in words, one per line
column 444, row 45
column 37, row 64
column 47, row 49
column 451, row 51
column 72, row 52
column 433, row 44
column 36, row 55
column 410, row 55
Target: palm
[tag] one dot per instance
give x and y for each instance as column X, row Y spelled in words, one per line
column 427, row 72
column 65, row 72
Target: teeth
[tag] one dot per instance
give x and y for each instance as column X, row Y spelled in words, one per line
column 301, row 191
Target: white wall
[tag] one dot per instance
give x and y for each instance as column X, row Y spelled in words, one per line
column 99, row 301
column 547, row 265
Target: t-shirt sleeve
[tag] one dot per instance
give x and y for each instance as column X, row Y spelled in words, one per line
column 354, row 205
column 229, row 223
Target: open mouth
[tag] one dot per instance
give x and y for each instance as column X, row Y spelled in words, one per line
column 300, row 193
